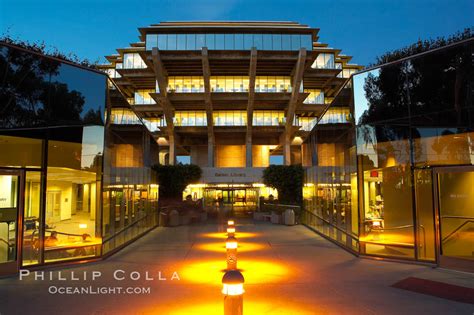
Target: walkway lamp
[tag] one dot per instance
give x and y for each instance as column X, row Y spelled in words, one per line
column 230, row 231
column 230, row 222
column 233, row 290
column 231, row 249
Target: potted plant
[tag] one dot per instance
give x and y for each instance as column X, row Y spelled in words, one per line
column 276, row 216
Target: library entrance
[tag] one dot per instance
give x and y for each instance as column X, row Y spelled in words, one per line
column 240, row 200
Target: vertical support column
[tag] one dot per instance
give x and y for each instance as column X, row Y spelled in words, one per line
column 206, row 72
column 210, row 150
column 251, row 99
column 146, row 149
column 290, row 113
column 287, row 148
column 172, row 146
column 248, row 150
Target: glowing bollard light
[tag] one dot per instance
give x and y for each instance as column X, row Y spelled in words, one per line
column 231, row 248
column 233, row 290
column 230, row 222
column 230, row 231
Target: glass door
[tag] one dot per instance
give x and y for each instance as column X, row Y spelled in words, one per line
column 455, row 198
column 9, row 209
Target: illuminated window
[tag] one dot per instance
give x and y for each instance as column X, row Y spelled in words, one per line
column 229, row 84
column 230, row 118
column 268, row 118
column 306, row 123
column 133, row 61
column 112, row 73
column 229, row 41
column 186, row 84
column 336, row 115
column 151, row 41
column 346, row 73
column 124, row 116
column 324, row 61
column 190, row 118
column 142, row 97
column 315, row 96
column 272, row 84
column 154, row 123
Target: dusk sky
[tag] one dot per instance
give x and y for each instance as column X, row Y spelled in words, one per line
column 363, row 29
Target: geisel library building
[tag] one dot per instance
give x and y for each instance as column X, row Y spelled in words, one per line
column 388, row 151
column 232, row 98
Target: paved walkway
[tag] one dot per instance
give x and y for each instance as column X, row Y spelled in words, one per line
column 288, row 270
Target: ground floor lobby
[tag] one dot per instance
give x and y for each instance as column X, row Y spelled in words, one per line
column 287, row 270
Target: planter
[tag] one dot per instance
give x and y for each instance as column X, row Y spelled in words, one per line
column 276, row 218
column 289, row 217
column 163, row 219
column 173, row 218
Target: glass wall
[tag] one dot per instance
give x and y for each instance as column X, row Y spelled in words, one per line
column 408, row 121
column 330, row 190
column 268, row 118
column 324, row 61
column 32, row 216
column 315, row 96
column 229, row 83
column 230, row 118
column 221, row 84
column 124, row 116
column 306, row 123
column 336, row 115
column 48, row 92
column 72, row 197
column 190, row 118
column 273, row 84
column 53, row 130
column 112, row 73
column 130, row 193
column 9, row 204
column 186, row 84
column 154, row 123
column 142, row 97
column 133, row 61
column 220, row 41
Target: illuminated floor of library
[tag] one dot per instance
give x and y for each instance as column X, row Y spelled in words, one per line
column 288, row 270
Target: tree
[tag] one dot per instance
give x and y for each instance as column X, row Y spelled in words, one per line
column 173, row 179
column 287, row 180
column 422, row 46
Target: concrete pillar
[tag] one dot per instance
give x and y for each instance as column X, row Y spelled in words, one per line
column 172, row 154
column 210, row 150
column 146, row 149
column 287, row 149
column 248, row 150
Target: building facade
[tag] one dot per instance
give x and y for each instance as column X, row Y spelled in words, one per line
column 75, row 178
column 396, row 180
column 231, row 97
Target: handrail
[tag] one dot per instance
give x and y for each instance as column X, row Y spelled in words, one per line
column 281, row 205
column 445, row 239
column 397, row 227
column 336, row 227
column 409, row 226
column 456, row 217
column 104, row 240
column 63, row 233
